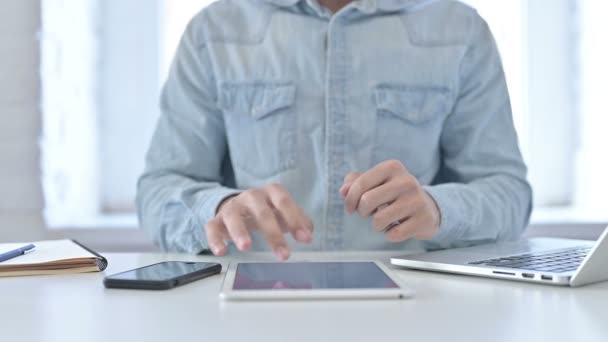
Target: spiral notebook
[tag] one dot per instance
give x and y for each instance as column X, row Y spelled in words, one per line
column 52, row 257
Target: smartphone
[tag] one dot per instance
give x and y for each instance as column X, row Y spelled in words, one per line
column 162, row 276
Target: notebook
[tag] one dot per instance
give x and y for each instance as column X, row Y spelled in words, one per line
column 51, row 257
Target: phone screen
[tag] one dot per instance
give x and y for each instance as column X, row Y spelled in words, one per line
column 162, row 271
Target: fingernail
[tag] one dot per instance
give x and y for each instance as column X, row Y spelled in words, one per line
column 243, row 244
column 343, row 190
column 216, row 249
column 303, row 235
column 281, row 253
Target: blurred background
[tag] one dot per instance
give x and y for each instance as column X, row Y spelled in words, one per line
column 79, row 86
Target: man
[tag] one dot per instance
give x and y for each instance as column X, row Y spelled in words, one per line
column 383, row 124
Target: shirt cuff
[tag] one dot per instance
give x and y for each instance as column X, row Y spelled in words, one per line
column 209, row 200
column 204, row 209
column 452, row 226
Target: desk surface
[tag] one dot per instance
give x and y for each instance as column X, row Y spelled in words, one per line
column 445, row 308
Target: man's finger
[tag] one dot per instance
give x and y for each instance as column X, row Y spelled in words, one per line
column 367, row 181
column 348, row 182
column 386, row 193
column 296, row 222
column 216, row 231
column 292, row 216
column 268, row 223
column 388, row 215
column 237, row 230
column 404, row 231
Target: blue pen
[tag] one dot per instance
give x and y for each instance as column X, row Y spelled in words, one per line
column 17, row 252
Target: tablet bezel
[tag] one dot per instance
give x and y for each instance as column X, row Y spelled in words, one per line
column 227, row 293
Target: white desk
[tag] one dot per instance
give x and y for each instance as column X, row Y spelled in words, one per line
column 445, row 308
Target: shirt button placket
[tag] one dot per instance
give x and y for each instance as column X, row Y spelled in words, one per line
column 336, row 124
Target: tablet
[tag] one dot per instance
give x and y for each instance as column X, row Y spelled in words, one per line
column 311, row 280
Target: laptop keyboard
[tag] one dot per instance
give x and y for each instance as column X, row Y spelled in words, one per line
column 566, row 260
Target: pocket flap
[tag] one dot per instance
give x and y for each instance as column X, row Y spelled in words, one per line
column 256, row 99
column 412, row 103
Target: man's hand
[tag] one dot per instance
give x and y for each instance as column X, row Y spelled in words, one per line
column 400, row 207
column 271, row 210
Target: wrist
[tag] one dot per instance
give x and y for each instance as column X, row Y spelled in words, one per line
column 224, row 203
column 436, row 211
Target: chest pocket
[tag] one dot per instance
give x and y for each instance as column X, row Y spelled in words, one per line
column 408, row 125
column 261, row 126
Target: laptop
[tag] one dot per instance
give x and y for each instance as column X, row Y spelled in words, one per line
column 540, row 260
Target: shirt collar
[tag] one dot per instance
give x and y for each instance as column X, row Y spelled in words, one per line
column 369, row 6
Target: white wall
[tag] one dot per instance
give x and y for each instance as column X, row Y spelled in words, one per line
column 552, row 100
column 129, row 88
column 21, row 197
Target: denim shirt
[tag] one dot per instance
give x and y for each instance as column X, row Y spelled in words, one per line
column 282, row 91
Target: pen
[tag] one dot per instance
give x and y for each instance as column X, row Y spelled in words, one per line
column 17, row 252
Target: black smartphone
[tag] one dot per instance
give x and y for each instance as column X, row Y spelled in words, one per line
column 162, row 276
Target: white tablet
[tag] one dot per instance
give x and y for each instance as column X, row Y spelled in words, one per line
column 311, row 280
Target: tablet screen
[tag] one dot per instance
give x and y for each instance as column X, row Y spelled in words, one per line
column 311, row 275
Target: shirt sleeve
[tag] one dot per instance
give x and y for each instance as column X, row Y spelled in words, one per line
column 482, row 192
column 181, row 186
